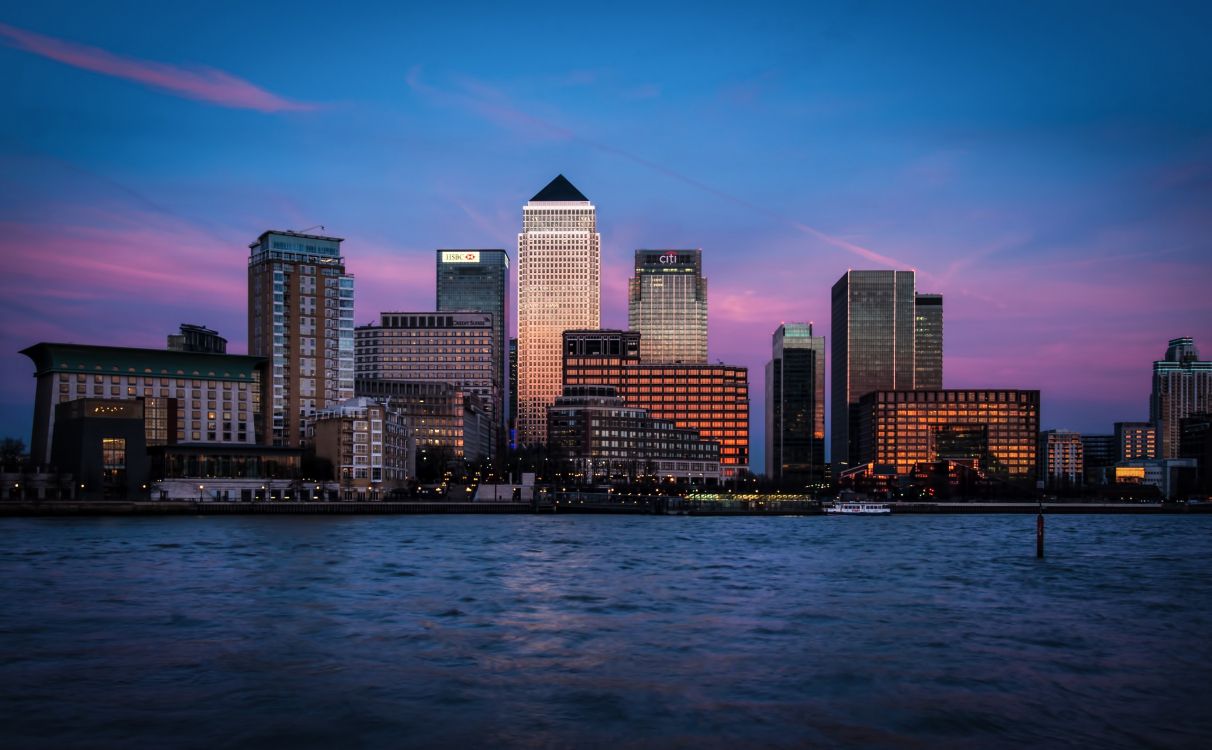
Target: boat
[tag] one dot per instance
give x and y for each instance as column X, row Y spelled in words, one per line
column 863, row 509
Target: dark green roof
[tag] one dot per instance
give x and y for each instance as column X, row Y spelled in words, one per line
column 559, row 189
column 50, row 357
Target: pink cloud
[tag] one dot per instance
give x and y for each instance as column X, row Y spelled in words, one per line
column 200, row 83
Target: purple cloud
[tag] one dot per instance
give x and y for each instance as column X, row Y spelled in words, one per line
column 199, row 83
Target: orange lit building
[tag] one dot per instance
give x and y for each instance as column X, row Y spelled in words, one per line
column 710, row 398
column 996, row 430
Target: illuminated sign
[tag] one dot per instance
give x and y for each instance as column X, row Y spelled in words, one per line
column 669, row 258
column 464, row 256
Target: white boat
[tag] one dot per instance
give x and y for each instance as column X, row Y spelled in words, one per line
column 865, row 509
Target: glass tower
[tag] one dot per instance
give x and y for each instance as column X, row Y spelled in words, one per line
column 300, row 317
column 477, row 281
column 667, row 305
column 795, row 406
column 885, row 337
column 559, row 289
column 1182, row 386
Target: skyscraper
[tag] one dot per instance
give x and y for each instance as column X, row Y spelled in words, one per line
column 878, row 322
column 478, row 280
column 300, row 317
column 559, row 273
column 1182, row 385
column 928, row 341
column 795, row 405
column 667, row 305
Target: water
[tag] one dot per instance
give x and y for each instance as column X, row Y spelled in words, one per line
column 600, row 631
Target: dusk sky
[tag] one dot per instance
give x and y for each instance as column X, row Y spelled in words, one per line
column 1045, row 166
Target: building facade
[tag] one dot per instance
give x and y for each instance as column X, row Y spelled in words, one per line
column 478, row 281
column 441, row 417
column 877, row 320
column 928, row 342
column 369, row 445
column 1061, row 460
column 608, row 440
column 1135, row 440
column 795, row 406
column 712, row 399
column 1098, row 453
column 206, row 398
column 996, row 431
column 1195, row 442
column 1182, row 385
column 300, row 318
column 667, row 305
column 454, row 348
column 559, row 289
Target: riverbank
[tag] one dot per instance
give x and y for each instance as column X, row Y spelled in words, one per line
column 640, row 506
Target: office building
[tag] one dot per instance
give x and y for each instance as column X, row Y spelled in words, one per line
column 198, row 339
column 928, row 342
column 1061, row 460
column 300, row 318
column 712, row 399
column 559, row 289
column 1195, row 442
column 369, row 446
column 441, row 417
column 1135, row 440
column 1098, row 453
column 606, row 440
column 667, row 305
column 1182, row 385
column 206, row 398
column 878, row 319
column 513, row 394
column 478, row 281
column 102, row 443
column 451, row 348
column 795, row 406
column 994, row 431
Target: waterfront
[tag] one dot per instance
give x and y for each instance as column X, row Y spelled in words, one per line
column 914, row 631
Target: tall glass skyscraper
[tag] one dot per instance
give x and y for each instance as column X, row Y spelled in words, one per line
column 559, row 289
column 300, row 317
column 478, row 281
column 877, row 324
column 795, row 406
column 1182, row 386
column 667, row 305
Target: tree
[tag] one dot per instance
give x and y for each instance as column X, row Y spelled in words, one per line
column 12, row 453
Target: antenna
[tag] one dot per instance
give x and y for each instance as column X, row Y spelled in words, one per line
column 317, row 226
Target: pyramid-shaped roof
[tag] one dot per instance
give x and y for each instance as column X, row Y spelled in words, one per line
column 559, row 189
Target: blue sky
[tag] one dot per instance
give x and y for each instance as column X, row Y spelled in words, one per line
column 1047, row 167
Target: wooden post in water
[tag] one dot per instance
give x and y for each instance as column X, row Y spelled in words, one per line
column 1039, row 533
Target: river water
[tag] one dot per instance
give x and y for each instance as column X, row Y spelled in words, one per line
column 605, row 631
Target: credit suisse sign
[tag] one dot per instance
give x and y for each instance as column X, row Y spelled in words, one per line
column 465, row 256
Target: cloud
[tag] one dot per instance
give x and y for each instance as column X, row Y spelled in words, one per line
column 199, row 83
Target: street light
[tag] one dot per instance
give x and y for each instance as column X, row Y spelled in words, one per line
column 200, row 488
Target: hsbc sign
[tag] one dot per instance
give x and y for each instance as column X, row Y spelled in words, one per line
column 460, row 256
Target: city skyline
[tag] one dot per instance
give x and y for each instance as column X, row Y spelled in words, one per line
column 1069, row 242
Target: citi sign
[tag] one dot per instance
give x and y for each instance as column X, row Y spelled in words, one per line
column 668, row 258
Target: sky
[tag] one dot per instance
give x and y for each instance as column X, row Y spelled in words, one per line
column 1047, row 167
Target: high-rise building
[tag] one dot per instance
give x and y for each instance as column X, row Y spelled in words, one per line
column 198, row 339
column 1098, row 453
column 886, row 336
column 454, row 348
column 301, row 318
column 369, row 445
column 188, row 397
column 1182, row 385
column 795, row 406
column 1061, row 459
column 928, row 342
column 995, row 431
column 608, row 440
column 478, row 280
column 559, row 289
column 440, row 416
column 667, row 305
column 513, row 394
column 1135, row 440
column 710, row 398
column 1195, row 442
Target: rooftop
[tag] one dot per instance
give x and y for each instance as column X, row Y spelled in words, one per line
column 560, row 189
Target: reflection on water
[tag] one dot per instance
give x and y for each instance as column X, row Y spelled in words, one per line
column 388, row 631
